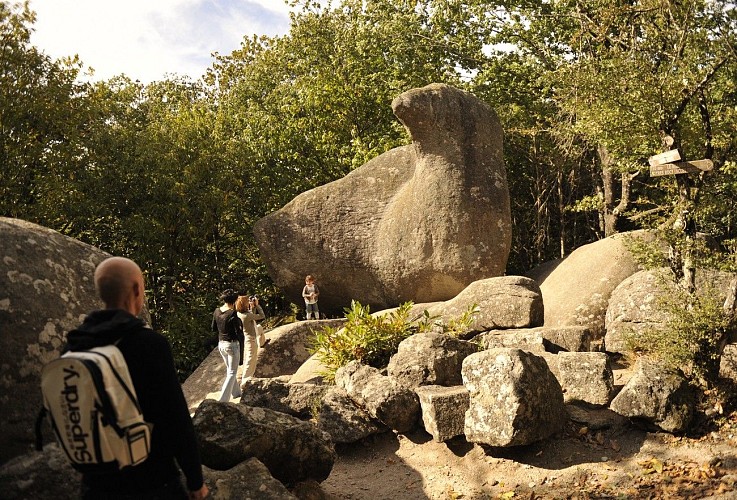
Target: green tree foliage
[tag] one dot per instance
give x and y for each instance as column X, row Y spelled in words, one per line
column 610, row 78
column 41, row 115
column 307, row 108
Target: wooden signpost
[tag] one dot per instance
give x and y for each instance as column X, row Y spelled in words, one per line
column 681, row 167
column 668, row 163
column 667, row 157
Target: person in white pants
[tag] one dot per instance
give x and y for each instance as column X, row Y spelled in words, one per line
column 249, row 311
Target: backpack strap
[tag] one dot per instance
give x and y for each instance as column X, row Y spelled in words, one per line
column 39, row 420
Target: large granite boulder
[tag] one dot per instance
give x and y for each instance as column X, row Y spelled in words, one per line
column 514, row 398
column 634, row 307
column 419, row 222
column 289, row 345
column 46, row 289
column 285, row 353
column 205, row 380
column 291, row 449
column 45, row 475
column 502, row 302
column 576, row 292
column 311, row 372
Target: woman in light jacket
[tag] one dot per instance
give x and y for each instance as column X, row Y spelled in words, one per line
column 249, row 312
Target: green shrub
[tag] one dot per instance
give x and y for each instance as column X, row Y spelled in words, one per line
column 373, row 339
column 691, row 336
column 696, row 325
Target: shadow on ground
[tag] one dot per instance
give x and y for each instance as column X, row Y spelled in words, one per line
column 371, row 470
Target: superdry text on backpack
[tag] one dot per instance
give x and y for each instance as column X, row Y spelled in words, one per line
column 94, row 411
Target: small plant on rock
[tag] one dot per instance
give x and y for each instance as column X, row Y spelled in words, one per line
column 373, row 338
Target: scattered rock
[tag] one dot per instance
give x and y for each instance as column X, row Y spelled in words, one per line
column 443, row 410
column 502, row 302
column 291, row 449
column 586, row 376
column 657, row 395
column 340, row 417
column 566, row 338
column 383, row 397
column 430, row 359
column 297, row 400
column 525, row 339
column 514, row 398
column 248, row 480
column 728, row 362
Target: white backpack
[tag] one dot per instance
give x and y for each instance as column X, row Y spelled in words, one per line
column 94, row 410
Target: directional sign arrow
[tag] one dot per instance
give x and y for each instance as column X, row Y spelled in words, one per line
column 681, row 167
column 667, row 157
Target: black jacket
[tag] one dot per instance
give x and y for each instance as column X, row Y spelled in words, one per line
column 220, row 326
column 151, row 365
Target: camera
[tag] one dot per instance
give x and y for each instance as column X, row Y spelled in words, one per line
column 252, row 298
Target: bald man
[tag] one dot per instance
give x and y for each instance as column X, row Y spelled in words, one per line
column 119, row 283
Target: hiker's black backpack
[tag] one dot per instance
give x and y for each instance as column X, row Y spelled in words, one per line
column 94, row 411
column 233, row 326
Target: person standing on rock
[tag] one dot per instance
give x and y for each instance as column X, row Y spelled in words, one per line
column 249, row 311
column 310, row 293
column 119, row 283
column 229, row 328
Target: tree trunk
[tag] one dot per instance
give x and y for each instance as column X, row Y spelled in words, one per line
column 561, row 213
column 607, row 178
column 611, row 212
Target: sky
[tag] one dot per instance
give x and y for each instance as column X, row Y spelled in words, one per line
column 148, row 39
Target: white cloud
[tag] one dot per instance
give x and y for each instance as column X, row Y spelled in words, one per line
column 146, row 39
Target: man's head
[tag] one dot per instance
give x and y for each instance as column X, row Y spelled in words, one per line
column 119, row 283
